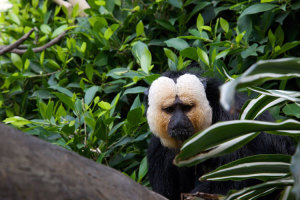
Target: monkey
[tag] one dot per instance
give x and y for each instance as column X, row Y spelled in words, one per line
column 180, row 104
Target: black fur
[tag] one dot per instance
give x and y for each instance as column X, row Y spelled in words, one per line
column 169, row 180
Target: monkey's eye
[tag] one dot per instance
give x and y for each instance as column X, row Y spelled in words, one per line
column 187, row 108
column 169, row 109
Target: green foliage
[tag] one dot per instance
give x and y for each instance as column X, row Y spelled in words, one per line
column 85, row 92
column 273, row 170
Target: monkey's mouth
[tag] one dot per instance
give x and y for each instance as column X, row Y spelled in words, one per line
column 181, row 134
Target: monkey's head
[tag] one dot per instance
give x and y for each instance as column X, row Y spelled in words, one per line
column 177, row 108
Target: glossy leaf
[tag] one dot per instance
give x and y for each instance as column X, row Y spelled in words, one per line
column 195, row 151
column 258, row 73
column 262, row 167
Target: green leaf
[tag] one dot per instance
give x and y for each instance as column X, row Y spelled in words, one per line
column 166, row 24
column 89, row 71
column 65, row 99
column 266, row 100
column 143, row 169
column 250, row 51
column 189, row 52
column 272, row 38
column 104, row 105
column 172, row 59
column 286, row 47
column 59, row 30
column 258, row 73
column 177, row 43
column 140, row 29
column 176, row 3
column 262, row 167
column 62, row 90
column 17, row 61
column 194, row 150
column 134, row 116
column 224, row 24
column 203, row 56
column 17, row 121
column 200, row 23
column 45, row 29
column 135, row 90
column 269, row 185
column 143, row 55
column 292, row 110
column 90, row 94
column 257, row 8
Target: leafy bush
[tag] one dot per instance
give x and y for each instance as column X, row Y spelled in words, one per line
column 85, row 92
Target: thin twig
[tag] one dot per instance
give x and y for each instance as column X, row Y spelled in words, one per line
column 44, row 75
column 42, row 48
column 16, row 43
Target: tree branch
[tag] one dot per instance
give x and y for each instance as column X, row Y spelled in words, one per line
column 14, row 45
column 34, row 169
column 42, row 48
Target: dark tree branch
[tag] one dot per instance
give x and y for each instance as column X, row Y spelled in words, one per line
column 34, row 169
column 42, row 48
column 14, row 45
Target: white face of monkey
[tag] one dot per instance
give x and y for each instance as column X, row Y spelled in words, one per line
column 184, row 102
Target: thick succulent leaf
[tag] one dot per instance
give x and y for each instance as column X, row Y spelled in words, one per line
column 262, row 167
column 220, row 139
column 269, row 185
column 266, row 100
column 258, row 73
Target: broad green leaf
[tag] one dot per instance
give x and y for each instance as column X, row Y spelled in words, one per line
column 177, row 43
column 62, row 90
column 65, row 99
column 189, row 52
column 257, row 8
column 292, row 110
column 258, row 73
column 90, row 94
column 172, row 59
column 286, row 47
column 46, row 29
column 140, row 29
column 135, row 90
column 134, row 116
column 203, row 56
column 17, row 121
column 166, row 24
column 104, row 105
column 222, row 54
column 17, row 61
column 176, row 3
column 142, row 169
column 262, row 167
column 194, row 150
column 143, row 55
column 50, row 109
column 269, row 185
column 59, row 30
column 108, row 33
column 89, row 71
column 224, row 24
column 250, row 51
column 272, row 38
column 200, row 22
